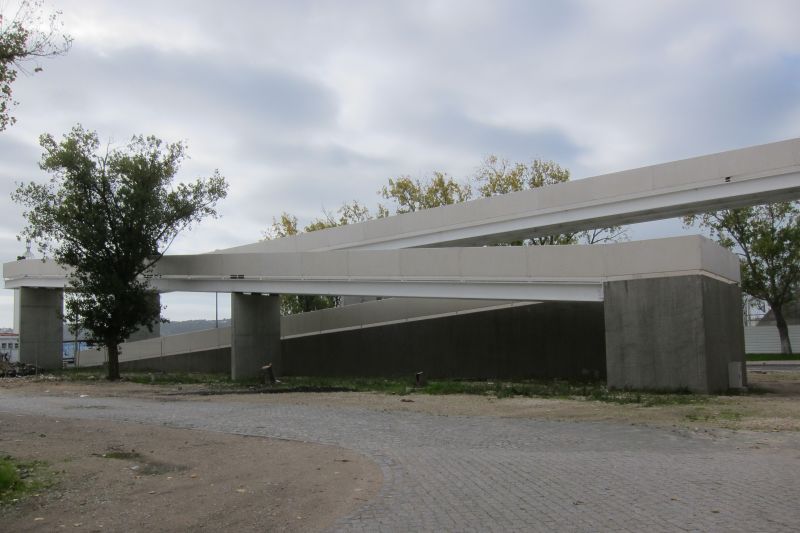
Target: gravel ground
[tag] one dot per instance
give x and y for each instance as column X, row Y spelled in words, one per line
column 457, row 472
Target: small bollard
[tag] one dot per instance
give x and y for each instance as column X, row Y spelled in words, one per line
column 269, row 376
column 420, row 379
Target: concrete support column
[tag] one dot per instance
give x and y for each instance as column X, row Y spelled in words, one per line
column 674, row 332
column 41, row 328
column 255, row 334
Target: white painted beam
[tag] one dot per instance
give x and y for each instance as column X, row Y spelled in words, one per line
column 569, row 273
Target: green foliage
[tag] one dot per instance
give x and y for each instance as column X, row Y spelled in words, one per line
column 19, row 478
column 111, row 215
column 284, row 226
column 9, row 477
column 499, row 176
column 26, row 36
column 347, row 214
column 292, row 304
column 767, row 240
column 773, row 357
column 414, row 195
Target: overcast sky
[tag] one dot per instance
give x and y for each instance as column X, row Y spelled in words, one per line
column 303, row 105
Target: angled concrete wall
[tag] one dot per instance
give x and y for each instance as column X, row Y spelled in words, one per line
column 672, row 333
column 548, row 340
column 205, row 361
column 41, row 327
column 255, row 334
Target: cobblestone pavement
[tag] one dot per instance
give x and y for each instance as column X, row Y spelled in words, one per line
column 456, row 473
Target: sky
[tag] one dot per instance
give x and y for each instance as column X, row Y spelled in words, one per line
column 307, row 104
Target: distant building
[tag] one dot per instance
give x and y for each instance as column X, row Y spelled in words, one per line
column 9, row 346
column 791, row 312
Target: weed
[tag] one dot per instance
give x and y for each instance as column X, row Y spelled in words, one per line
column 116, row 454
column 9, row 477
column 773, row 357
column 539, row 388
column 20, row 478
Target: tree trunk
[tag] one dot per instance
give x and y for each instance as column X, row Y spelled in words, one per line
column 112, row 349
column 783, row 330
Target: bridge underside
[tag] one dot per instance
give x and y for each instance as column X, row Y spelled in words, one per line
column 680, row 332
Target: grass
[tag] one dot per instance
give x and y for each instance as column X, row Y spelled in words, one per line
column 116, row 454
column 591, row 390
column 21, row 478
column 773, row 357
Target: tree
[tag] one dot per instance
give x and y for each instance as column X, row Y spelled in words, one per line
column 26, row 37
column 767, row 240
column 348, row 214
column 415, row 195
column 111, row 215
column 499, row 176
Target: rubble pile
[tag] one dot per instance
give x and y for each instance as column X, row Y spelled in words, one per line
column 15, row 369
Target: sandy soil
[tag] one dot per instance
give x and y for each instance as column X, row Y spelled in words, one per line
column 179, row 480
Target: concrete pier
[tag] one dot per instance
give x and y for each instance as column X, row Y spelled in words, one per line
column 41, row 327
column 668, row 333
column 256, row 334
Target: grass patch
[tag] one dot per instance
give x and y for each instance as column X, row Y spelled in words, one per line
column 590, row 390
column 773, row 357
column 144, row 377
column 21, row 478
column 117, row 454
column 702, row 415
column 177, row 378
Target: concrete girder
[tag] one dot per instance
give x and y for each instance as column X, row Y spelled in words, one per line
column 736, row 178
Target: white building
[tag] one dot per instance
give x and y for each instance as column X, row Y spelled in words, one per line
column 9, row 346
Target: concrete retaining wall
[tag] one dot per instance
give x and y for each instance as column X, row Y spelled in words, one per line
column 205, row 361
column 548, row 340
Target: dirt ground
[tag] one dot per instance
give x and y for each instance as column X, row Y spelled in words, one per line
column 112, row 476
column 187, row 479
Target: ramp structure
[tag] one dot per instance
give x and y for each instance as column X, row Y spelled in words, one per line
column 669, row 307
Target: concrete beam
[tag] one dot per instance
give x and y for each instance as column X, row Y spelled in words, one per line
column 255, row 335
column 673, row 333
column 747, row 176
column 41, row 327
column 529, row 273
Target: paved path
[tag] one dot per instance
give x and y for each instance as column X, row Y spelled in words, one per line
column 454, row 473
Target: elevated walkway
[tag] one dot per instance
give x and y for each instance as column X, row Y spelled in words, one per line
column 526, row 273
column 758, row 174
column 670, row 307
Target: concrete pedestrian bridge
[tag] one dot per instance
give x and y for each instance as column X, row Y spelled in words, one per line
column 661, row 313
